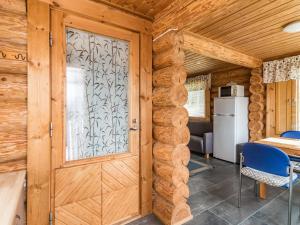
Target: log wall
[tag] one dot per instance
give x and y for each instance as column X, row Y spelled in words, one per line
column 256, row 106
column 13, row 85
column 170, row 132
column 240, row 76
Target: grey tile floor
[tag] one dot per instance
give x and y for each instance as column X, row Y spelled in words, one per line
column 213, row 200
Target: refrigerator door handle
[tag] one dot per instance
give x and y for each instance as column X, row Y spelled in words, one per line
column 219, row 114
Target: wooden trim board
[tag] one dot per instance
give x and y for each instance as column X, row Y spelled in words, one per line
column 38, row 156
column 146, row 123
column 103, row 13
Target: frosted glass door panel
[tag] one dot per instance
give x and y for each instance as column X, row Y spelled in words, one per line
column 96, row 95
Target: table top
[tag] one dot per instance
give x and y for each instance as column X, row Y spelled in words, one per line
column 11, row 186
column 288, row 145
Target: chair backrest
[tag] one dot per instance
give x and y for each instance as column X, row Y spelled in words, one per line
column 291, row 134
column 266, row 158
column 198, row 128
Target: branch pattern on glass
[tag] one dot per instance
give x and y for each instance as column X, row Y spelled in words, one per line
column 96, row 95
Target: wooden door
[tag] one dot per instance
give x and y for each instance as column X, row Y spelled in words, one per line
column 95, row 117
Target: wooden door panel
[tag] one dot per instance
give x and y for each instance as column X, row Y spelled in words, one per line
column 120, row 188
column 85, row 212
column 120, row 205
column 77, row 183
column 120, row 174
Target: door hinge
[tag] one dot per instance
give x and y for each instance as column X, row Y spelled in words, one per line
column 50, row 39
column 51, row 129
column 50, row 218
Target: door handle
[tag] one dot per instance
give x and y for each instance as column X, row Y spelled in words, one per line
column 134, row 125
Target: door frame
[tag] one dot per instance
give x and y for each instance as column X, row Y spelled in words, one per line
column 39, row 96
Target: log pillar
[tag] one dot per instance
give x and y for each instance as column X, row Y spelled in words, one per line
column 257, row 105
column 170, row 132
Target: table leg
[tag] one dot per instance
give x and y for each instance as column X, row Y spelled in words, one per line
column 262, row 190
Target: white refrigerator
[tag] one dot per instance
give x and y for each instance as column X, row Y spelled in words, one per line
column 230, row 121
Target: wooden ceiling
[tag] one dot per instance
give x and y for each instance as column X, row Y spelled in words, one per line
column 198, row 64
column 253, row 27
column 145, row 8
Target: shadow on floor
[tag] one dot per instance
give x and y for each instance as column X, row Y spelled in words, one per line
column 213, row 200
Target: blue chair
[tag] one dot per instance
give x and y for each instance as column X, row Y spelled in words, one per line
column 269, row 165
column 291, row 134
column 294, row 134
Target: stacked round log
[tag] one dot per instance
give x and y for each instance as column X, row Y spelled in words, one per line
column 170, row 132
column 256, row 106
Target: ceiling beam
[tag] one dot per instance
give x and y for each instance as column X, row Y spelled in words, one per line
column 216, row 50
column 185, row 14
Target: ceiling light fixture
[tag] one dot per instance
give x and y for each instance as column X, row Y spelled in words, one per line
column 292, row 27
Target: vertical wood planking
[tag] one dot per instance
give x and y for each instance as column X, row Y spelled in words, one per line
column 38, row 166
column 270, row 110
column 294, row 104
column 289, row 105
column 281, row 106
column 146, row 123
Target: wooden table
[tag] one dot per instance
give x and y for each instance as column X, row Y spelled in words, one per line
column 289, row 146
column 11, row 188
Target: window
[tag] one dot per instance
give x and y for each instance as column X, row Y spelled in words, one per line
column 96, row 95
column 196, row 103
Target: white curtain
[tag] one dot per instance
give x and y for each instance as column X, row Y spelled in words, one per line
column 282, row 70
column 201, row 82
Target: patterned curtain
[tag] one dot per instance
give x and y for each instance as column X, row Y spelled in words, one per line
column 201, row 82
column 282, row 70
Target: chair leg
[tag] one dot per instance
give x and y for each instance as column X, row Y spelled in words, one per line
column 290, row 198
column 290, row 207
column 240, row 190
column 255, row 188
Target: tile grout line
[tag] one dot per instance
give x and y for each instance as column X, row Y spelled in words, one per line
column 220, row 217
column 208, row 209
column 252, row 214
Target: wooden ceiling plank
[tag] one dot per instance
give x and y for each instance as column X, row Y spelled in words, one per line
column 220, row 15
column 272, row 40
column 245, row 9
column 185, row 14
column 279, row 49
column 247, row 21
column 210, row 48
column 256, row 36
column 275, row 29
column 255, row 28
column 261, row 10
